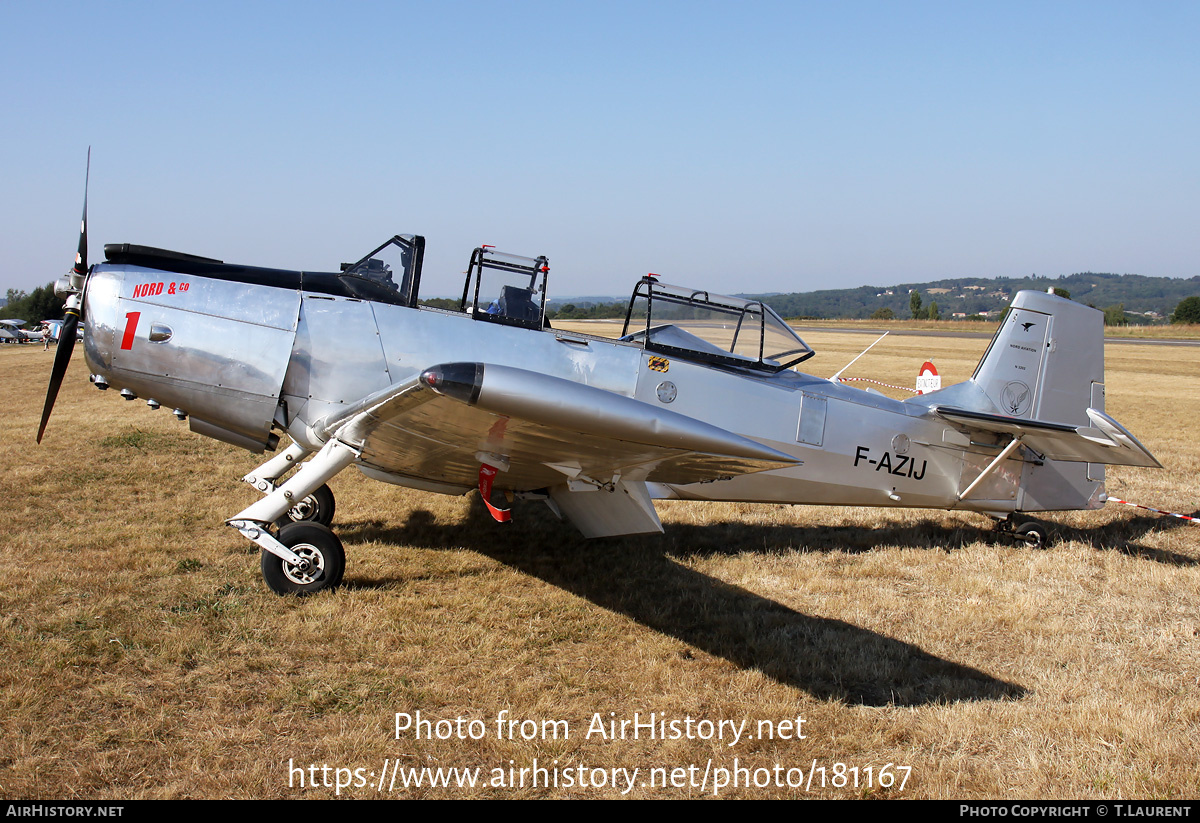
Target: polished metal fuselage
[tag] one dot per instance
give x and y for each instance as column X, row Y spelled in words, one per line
column 245, row 359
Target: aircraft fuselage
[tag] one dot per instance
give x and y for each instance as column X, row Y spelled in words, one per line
column 244, row 358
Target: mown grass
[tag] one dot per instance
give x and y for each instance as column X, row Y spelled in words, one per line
column 145, row 658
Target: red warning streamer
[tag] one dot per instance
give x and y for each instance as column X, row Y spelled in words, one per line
column 1156, row 511
column 486, row 475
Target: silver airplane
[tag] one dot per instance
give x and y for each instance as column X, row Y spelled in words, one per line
column 698, row 400
column 10, row 330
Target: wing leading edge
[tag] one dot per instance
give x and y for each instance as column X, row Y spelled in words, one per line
column 593, row 450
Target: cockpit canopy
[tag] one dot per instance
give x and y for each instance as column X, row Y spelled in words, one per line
column 713, row 328
column 401, row 255
column 506, row 288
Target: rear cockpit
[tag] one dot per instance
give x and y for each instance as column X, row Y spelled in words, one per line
column 711, row 328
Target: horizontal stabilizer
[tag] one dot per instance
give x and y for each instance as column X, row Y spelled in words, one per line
column 1105, row 441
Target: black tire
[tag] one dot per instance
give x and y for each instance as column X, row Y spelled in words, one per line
column 1034, row 534
column 318, row 507
column 316, row 544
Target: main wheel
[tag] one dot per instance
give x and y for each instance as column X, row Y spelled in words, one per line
column 323, row 560
column 318, row 507
column 1035, row 535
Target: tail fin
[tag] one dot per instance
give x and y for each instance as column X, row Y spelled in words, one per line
column 1044, row 373
column 1046, row 361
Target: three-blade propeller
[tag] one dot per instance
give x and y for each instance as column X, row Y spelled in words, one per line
column 74, row 310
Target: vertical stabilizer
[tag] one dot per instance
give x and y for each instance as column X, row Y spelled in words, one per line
column 1046, row 361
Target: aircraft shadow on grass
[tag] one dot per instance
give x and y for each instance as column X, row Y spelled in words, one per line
column 1121, row 536
column 638, row 577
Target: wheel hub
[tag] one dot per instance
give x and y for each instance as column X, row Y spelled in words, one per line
column 303, row 510
column 310, row 568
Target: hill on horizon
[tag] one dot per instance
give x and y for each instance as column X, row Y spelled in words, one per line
column 1153, row 297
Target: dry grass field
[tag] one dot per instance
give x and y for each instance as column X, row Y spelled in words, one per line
column 145, row 658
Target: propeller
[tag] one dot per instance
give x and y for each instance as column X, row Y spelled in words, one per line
column 72, row 315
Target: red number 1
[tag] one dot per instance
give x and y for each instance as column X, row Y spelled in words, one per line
column 131, row 321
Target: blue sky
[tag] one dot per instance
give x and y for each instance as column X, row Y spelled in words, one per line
column 755, row 146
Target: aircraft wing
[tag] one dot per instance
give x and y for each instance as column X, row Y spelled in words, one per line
column 541, row 432
column 1105, row 441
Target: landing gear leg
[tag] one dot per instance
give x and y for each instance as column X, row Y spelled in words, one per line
column 267, row 475
column 317, row 507
column 315, row 559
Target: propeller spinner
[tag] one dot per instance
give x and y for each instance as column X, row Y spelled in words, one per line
column 72, row 315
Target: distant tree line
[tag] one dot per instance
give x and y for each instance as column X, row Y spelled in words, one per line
column 1188, row 311
column 41, row 304
column 588, row 311
column 447, row 303
column 1136, row 295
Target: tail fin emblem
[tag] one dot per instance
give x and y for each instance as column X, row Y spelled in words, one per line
column 1016, row 398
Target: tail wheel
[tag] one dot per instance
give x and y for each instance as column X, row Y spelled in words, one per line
column 318, row 507
column 1034, row 534
column 322, row 560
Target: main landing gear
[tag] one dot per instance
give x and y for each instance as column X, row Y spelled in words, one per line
column 1032, row 533
column 322, row 560
column 303, row 556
